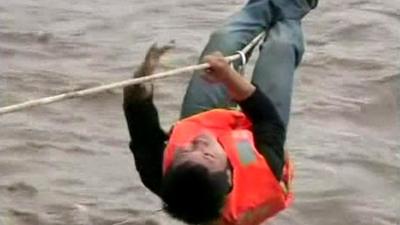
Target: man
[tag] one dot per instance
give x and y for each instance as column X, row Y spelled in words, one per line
column 222, row 166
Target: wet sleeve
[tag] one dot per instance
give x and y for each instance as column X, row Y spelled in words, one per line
column 268, row 129
column 147, row 141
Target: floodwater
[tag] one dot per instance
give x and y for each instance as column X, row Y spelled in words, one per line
column 69, row 162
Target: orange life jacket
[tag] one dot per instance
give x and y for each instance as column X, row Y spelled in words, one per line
column 256, row 194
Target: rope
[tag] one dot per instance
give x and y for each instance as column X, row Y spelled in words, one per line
column 102, row 88
column 243, row 62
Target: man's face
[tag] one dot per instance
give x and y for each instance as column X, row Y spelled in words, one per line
column 204, row 150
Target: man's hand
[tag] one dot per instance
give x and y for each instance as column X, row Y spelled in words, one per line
column 220, row 71
column 141, row 92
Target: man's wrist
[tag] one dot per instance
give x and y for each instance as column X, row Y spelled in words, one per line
column 137, row 93
column 239, row 88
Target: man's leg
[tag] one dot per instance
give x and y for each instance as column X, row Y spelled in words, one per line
column 279, row 56
column 240, row 29
column 256, row 16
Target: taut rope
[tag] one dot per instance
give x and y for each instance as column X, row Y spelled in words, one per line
column 102, row 88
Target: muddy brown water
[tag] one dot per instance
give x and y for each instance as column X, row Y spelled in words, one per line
column 69, row 162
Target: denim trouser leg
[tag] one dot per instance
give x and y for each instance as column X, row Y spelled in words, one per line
column 241, row 28
column 279, row 56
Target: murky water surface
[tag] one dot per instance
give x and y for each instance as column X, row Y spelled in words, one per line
column 69, row 163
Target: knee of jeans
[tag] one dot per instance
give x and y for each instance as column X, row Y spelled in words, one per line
column 285, row 46
column 220, row 35
column 225, row 41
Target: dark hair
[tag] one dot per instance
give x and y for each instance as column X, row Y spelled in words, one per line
column 192, row 194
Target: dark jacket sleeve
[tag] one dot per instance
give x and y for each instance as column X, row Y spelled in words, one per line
column 147, row 141
column 268, row 129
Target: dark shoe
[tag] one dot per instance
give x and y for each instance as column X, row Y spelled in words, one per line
column 312, row 3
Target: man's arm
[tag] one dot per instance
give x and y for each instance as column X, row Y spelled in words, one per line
column 147, row 138
column 268, row 128
column 147, row 141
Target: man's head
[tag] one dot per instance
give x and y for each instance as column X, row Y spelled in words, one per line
column 195, row 186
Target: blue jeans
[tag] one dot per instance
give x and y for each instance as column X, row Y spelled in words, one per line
column 280, row 53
